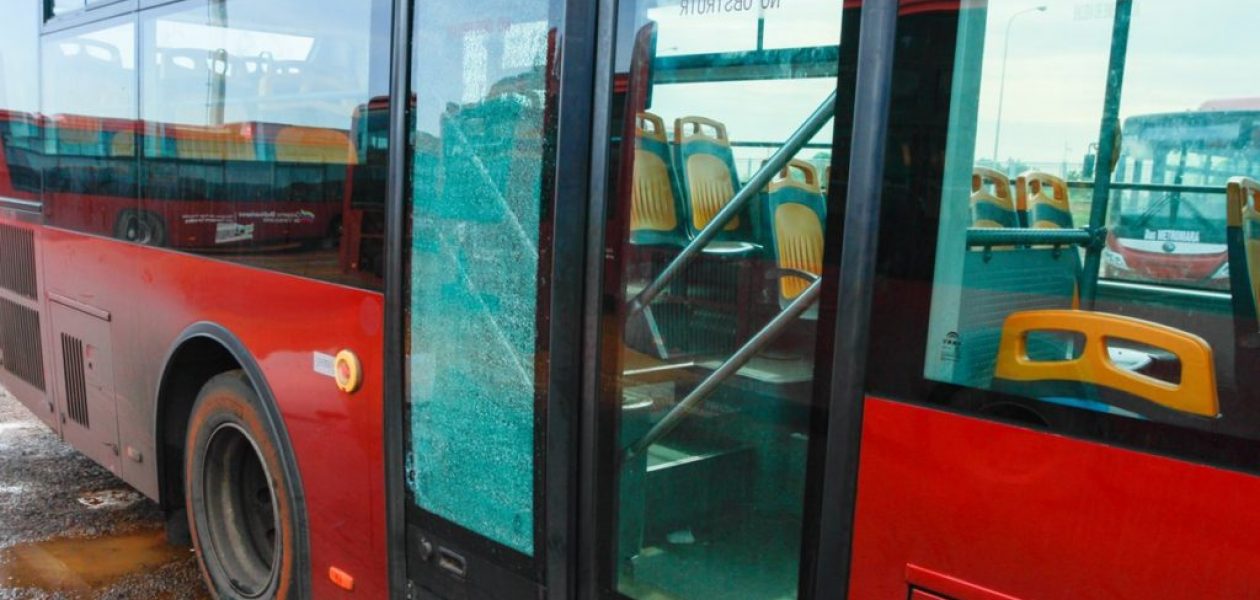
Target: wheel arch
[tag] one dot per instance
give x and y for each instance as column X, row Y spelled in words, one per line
column 200, row 352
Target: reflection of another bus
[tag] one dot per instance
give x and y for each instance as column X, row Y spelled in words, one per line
column 1170, row 219
column 21, row 146
column 194, row 187
column 362, row 228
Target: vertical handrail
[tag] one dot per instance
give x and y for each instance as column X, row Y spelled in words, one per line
column 790, row 147
column 1108, row 138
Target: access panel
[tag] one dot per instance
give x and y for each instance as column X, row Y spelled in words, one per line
column 85, row 380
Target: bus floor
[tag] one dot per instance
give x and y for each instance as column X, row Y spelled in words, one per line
column 70, row 529
column 749, row 556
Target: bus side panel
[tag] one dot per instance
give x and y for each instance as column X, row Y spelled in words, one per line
column 283, row 321
column 1031, row 515
column 34, row 386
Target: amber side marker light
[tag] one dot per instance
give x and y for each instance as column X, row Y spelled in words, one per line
column 341, row 579
column 347, row 371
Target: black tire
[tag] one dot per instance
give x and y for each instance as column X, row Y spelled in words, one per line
column 241, row 505
column 140, row 227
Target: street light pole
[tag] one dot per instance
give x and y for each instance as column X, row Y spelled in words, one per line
column 1006, row 49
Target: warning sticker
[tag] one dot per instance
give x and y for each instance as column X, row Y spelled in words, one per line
column 225, row 233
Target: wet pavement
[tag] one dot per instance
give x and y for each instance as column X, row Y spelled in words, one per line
column 70, row 529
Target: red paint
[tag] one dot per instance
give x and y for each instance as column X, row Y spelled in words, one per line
column 1027, row 514
column 155, row 294
column 1192, row 269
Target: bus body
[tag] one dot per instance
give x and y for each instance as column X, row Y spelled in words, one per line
column 1174, row 236
column 648, row 299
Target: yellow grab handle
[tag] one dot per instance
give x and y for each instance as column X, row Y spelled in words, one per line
column 719, row 129
column 807, row 170
column 656, row 123
column 1243, row 194
column 1195, row 394
column 1001, row 194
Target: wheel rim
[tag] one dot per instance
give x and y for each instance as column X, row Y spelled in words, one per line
column 136, row 229
column 240, row 510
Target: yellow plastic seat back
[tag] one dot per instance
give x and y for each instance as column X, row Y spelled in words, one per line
column 313, row 145
column 1046, row 197
column 708, row 172
column 123, row 144
column 654, row 205
column 1091, row 375
column 992, row 205
column 213, row 143
column 1243, row 239
column 797, row 212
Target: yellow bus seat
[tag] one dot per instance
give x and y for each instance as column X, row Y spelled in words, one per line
column 991, row 203
column 313, row 145
column 123, row 144
column 214, row 143
column 1046, row 199
column 655, row 207
column 1090, row 377
column 798, row 212
column 707, row 169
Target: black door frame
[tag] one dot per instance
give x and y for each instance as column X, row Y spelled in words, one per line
column 573, row 75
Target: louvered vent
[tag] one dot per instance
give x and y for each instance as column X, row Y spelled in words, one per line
column 17, row 260
column 20, row 343
column 76, row 384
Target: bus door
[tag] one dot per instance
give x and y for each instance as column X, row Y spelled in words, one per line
column 481, row 344
column 1061, row 387
column 724, row 141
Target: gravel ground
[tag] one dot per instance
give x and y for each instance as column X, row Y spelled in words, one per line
column 53, row 545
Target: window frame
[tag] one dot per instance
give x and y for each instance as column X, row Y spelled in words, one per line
column 900, row 334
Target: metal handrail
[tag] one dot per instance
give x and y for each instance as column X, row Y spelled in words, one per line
column 794, row 143
column 726, row 370
column 980, row 236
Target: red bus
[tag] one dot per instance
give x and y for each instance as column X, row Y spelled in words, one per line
column 641, row 299
column 1171, row 227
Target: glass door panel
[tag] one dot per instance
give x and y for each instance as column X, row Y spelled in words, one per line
column 722, row 135
column 476, row 351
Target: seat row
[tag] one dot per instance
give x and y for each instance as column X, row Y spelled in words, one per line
column 678, row 188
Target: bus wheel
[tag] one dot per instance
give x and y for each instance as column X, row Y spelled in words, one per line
column 140, row 227
column 240, row 508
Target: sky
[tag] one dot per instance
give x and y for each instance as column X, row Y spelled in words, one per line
column 1181, row 54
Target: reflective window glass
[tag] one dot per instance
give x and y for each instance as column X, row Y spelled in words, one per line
column 21, row 136
column 88, row 100
column 1091, row 221
column 722, row 139
column 262, row 135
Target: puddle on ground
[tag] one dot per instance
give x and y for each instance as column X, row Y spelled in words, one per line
column 78, row 566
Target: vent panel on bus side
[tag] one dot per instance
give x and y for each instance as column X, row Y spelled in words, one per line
column 84, row 378
column 17, row 261
column 76, row 384
column 21, row 348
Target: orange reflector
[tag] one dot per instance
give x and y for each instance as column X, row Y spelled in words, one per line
column 347, row 372
column 341, row 579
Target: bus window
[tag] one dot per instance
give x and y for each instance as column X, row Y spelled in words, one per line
column 723, row 142
column 89, row 175
column 21, row 137
column 254, row 131
column 1117, row 301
